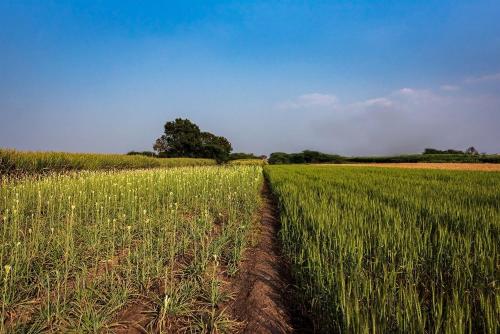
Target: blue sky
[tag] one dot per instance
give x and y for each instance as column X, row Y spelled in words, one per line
column 349, row 77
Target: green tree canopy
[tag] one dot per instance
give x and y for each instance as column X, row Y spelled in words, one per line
column 183, row 138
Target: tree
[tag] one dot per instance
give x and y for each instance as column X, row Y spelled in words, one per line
column 432, row 151
column 182, row 138
column 471, row 150
column 215, row 147
column 279, row 158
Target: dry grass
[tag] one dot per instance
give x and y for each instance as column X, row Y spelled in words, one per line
column 429, row 165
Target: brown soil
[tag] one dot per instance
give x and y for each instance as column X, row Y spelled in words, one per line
column 134, row 318
column 263, row 300
column 23, row 313
column 488, row 167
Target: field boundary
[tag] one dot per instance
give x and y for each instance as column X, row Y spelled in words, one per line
column 264, row 287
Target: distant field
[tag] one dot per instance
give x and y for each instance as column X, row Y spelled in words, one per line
column 12, row 161
column 432, row 165
column 392, row 250
column 435, row 158
column 254, row 162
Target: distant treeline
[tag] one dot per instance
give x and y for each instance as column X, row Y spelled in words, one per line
column 435, row 151
column 304, row 157
column 429, row 155
column 471, row 151
column 145, row 153
column 246, row 156
column 232, row 156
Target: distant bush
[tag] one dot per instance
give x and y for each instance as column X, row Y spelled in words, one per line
column 435, row 151
column 279, row 158
column 303, row 157
column 145, row 153
column 12, row 161
column 241, row 155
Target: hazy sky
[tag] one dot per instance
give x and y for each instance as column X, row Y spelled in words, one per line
column 347, row 77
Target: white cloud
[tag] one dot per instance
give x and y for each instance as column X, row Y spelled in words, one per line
column 382, row 102
column 318, row 99
column 483, row 78
column 406, row 91
column 414, row 96
column 309, row 101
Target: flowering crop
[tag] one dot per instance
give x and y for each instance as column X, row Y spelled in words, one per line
column 76, row 250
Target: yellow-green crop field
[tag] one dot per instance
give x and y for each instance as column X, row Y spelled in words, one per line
column 378, row 250
column 78, row 250
column 246, row 162
column 22, row 162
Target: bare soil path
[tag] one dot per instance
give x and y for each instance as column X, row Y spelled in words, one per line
column 263, row 288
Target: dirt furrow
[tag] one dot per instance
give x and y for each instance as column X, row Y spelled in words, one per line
column 263, row 300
